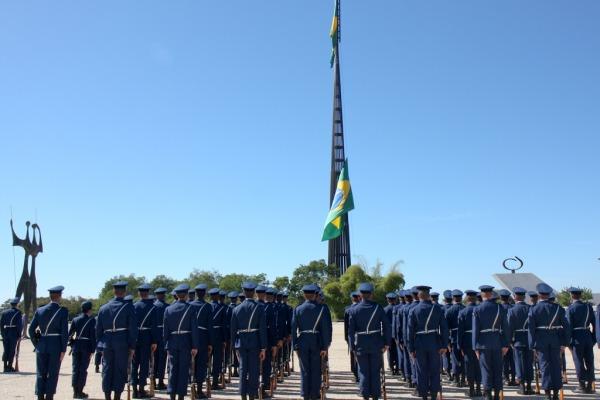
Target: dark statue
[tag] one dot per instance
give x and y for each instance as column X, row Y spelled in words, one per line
column 27, row 284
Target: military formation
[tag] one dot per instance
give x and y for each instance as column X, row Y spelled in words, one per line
column 192, row 346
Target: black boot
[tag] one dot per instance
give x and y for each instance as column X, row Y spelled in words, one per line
column 496, row 394
column 107, row 396
column 41, row 397
column 235, row 372
column 201, row 395
column 589, row 388
column 555, row 395
column 75, row 393
column 49, row 397
column 487, row 394
column 135, row 393
column 173, row 396
column 471, row 389
column 580, row 388
column 117, row 395
column 548, row 394
column 5, row 366
column 161, row 385
column 522, row 390
column 478, row 390
column 529, row 390
column 433, row 395
column 181, row 397
column 142, row 393
column 244, row 397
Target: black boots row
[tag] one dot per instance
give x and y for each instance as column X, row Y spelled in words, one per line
column 107, row 396
column 586, row 388
column 140, row 393
column 78, row 393
column 45, row 397
column 474, row 389
column 8, row 367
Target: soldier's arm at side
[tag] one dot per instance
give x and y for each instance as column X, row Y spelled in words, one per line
column 326, row 334
column 233, row 327
column 33, row 325
column 475, row 329
column 444, row 333
column 263, row 329
column 531, row 329
column 64, row 329
column 294, row 330
column 166, row 331
column 132, row 328
column 387, row 329
column 411, row 331
column 351, row 330
column 598, row 325
column 92, row 333
column 195, row 333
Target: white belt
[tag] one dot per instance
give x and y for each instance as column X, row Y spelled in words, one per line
column 52, row 334
column 454, row 329
column 546, row 328
column 159, row 326
column 10, row 326
column 203, row 328
column 180, row 332
column 313, row 331
column 82, row 338
column 217, row 326
column 427, row 332
column 469, row 331
column 115, row 330
column 247, row 330
column 580, row 328
column 521, row 330
column 489, row 330
column 144, row 329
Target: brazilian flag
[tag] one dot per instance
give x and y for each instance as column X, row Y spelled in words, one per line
column 342, row 203
column 334, row 31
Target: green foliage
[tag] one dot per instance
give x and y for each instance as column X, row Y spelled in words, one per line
column 316, row 271
column 564, row 297
column 232, row 282
column 165, row 282
column 211, row 278
column 73, row 304
column 281, row 283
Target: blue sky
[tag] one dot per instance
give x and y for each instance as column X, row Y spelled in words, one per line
column 159, row 137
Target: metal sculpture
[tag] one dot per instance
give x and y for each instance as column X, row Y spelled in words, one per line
column 513, row 269
column 27, row 286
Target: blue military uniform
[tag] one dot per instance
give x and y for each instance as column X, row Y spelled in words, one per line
column 490, row 339
column 446, row 359
column 508, row 361
column 117, row 329
column 427, row 337
column 83, row 344
column 218, row 336
column 581, row 318
column 401, row 316
column 180, row 333
column 411, row 360
column 522, row 355
column 393, row 350
column 310, row 335
column 11, row 328
column 148, row 335
column 271, row 338
column 289, row 311
column 548, row 332
column 369, row 332
column 465, row 345
column 232, row 360
column 355, row 299
column 397, row 333
column 248, row 332
column 203, row 313
column 49, row 332
column 456, row 357
column 160, row 355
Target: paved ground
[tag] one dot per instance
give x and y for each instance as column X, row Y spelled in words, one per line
column 21, row 385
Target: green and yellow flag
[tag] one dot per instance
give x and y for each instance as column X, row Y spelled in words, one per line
column 342, row 203
column 334, row 31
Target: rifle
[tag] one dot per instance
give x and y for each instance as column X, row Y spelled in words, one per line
column 17, row 355
column 287, row 353
column 323, row 377
column 230, row 363
column 152, row 383
column 260, row 380
column 280, row 365
column 292, row 357
column 537, row 373
column 383, row 385
column 208, row 374
column 193, row 390
column 223, row 366
column 273, row 377
column 129, row 359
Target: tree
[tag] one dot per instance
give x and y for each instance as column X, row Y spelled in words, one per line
column 316, row 271
column 391, row 282
column 211, row 278
column 106, row 293
column 232, row 282
column 164, row 282
column 564, row 296
column 281, row 283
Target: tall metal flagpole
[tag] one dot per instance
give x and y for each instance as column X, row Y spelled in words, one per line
column 339, row 248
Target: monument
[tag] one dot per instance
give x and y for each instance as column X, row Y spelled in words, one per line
column 525, row 280
column 339, row 248
column 27, row 286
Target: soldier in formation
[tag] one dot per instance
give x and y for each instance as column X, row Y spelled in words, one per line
column 11, row 328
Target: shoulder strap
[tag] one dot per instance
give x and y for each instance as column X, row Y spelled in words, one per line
column 13, row 318
column 319, row 319
column 117, row 316
column 587, row 316
column 218, row 311
column 83, row 327
column 146, row 317
column 187, row 308
column 200, row 310
column 497, row 316
column 52, row 319
column 252, row 317
column 429, row 317
column 555, row 315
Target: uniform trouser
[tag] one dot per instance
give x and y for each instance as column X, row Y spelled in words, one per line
column 179, row 370
column 81, row 362
column 310, row 371
column 407, row 364
column 267, row 368
column 353, row 366
column 583, row 358
column 508, row 365
column 10, row 348
column 446, row 362
column 472, row 368
column 201, row 365
column 160, row 360
column 400, row 356
column 413, row 369
column 428, row 371
column 490, row 361
column 369, row 365
column 98, row 358
column 393, row 357
column 249, row 371
column 48, row 366
column 114, row 369
column 550, row 367
column 140, row 364
column 458, row 361
column 217, row 357
column 523, row 364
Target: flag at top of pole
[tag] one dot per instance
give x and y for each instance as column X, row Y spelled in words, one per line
column 334, row 32
column 342, row 203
